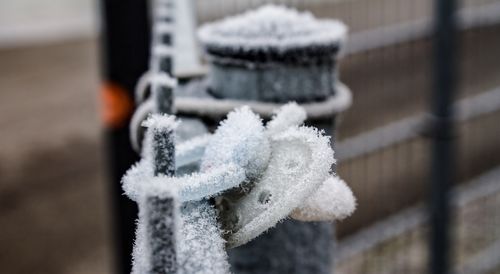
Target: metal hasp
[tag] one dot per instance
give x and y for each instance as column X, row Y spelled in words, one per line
column 264, row 72
column 442, row 135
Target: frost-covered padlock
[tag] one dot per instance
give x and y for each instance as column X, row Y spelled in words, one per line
column 286, row 171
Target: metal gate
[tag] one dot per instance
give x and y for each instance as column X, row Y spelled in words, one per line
column 419, row 146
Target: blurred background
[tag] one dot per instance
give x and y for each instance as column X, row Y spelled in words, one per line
column 55, row 181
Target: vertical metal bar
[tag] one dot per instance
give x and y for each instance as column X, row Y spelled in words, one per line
column 125, row 54
column 164, row 152
column 162, row 59
column 442, row 146
column 161, row 214
column 162, row 211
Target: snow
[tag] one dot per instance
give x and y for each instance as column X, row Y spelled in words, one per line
column 240, row 139
column 334, row 200
column 272, row 27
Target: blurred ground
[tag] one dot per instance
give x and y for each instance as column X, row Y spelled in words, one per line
column 52, row 191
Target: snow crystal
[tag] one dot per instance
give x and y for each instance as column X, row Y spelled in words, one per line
column 272, row 27
column 332, row 201
column 300, row 162
column 287, row 116
column 240, row 139
column 201, row 247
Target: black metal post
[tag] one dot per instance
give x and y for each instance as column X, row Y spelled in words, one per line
column 125, row 54
column 442, row 145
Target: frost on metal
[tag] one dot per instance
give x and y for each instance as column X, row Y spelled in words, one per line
column 164, row 242
column 272, row 27
column 287, row 116
column 256, row 174
column 288, row 165
column 161, row 122
column 203, row 248
column 273, row 54
column 191, row 187
column 332, row 201
column 300, row 162
column 155, row 246
column 189, row 153
column 160, row 141
column 239, row 140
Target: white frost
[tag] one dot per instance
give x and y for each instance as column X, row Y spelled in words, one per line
column 161, row 121
column 300, row 162
column 141, row 254
column 272, row 27
column 210, row 183
column 140, row 179
column 191, row 151
column 201, row 247
column 240, row 140
column 334, row 200
column 287, row 116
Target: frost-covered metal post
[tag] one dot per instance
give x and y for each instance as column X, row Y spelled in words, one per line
column 161, row 66
column 265, row 58
column 161, row 211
